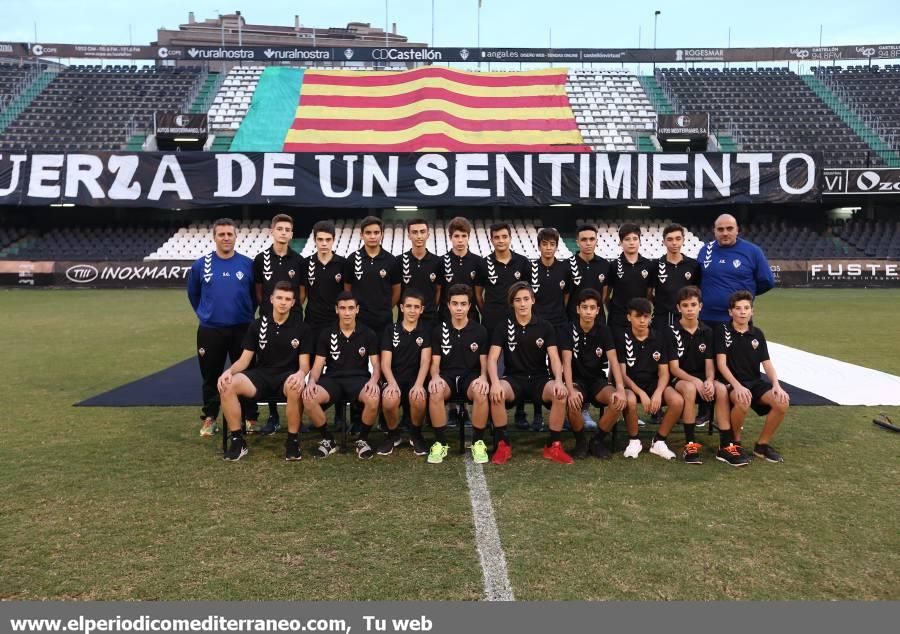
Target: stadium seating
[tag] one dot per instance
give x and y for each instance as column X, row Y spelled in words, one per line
column 870, row 91
column 125, row 243
column 651, row 238
column 785, row 241
column 12, row 77
column 10, row 235
column 767, row 110
column 232, row 102
column 610, row 107
column 870, row 238
column 96, row 107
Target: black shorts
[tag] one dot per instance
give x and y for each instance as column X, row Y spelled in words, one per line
column 649, row 387
column 269, row 384
column 405, row 388
column 757, row 388
column 343, row 389
column 589, row 388
column 528, row 389
column 459, row 385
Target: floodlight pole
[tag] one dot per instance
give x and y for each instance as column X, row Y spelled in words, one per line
column 655, row 19
column 386, row 24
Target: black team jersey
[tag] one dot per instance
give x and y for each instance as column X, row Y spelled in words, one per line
column 423, row 275
column 550, row 284
column 593, row 274
column 406, row 348
column 370, row 281
column 459, row 350
column 458, row 270
column 278, row 346
column 744, row 351
column 269, row 268
column 589, row 350
column 347, row 356
column 641, row 358
column 496, row 278
column 323, row 282
column 525, row 347
column 671, row 278
column 691, row 350
column 627, row 281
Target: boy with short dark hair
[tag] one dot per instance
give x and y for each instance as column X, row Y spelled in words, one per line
column 588, row 270
column 692, row 365
column 586, row 351
column 631, row 276
column 740, row 349
column 644, row 363
column 405, row 361
column 420, row 269
column 369, row 274
column 322, row 279
column 674, row 271
column 460, row 265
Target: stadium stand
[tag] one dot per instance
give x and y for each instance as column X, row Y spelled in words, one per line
column 872, row 93
column 784, row 241
column 85, row 243
column 767, row 110
column 232, row 102
column 610, row 107
column 99, row 107
column 10, row 235
column 873, row 239
column 12, row 77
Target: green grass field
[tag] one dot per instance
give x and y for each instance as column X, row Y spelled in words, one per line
column 102, row 503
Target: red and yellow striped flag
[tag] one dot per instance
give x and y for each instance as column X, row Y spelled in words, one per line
column 434, row 109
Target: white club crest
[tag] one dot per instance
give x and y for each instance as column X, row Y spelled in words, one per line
column 362, row 351
column 598, row 352
column 644, row 273
column 292, row 273
column 295, row 343
column 382, row 273
column 517, row 274
column 539, row 342
column 701, row 348
column 337, row 278
column 419, row 341
column 656, row 355
column 687, row 275
column 562, row 284
column 601, row 277
column 736, row 263
column 473, row 347
column 201, row 351
column 239, row 275
column 432, row 277
column 755, row 344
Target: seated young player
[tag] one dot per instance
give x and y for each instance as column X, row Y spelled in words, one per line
column 740, row 349
column 642, row 357
column 586, row 350
column 458, row 369
column 281, row 345
column 405, row 361
column 527, row 344
column 343, row 353
column 693, row 370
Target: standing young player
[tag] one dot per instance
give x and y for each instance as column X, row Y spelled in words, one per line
column 369, row 275
column 587, row 348
column 528, row 346
column 642, row 357
column 674, row 271
column 220, row 289
column 692, row 366
column 740, row 349
column 322, row 279
column 460, row 266
column 278, row 263
column 340, row 373
column 405, row 362
column 459, row 369
column 420, row 269
column 280, row 344
column 631, row 276
column 588, row 270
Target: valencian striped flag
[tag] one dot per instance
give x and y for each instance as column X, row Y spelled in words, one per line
column 434, row 109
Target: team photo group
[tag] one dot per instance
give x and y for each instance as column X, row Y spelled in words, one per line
column 672, row 336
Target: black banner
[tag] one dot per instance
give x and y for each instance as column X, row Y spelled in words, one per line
column 155, row 274
column 203, row 179
column 687, row 126
column 836, row 273
column 404, row 54
column 169, row 125
column 861, row 181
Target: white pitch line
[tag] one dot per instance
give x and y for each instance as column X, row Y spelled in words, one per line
column 487, row 537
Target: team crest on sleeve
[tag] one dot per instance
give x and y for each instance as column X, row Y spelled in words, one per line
column 656, row 355
column 295, row 343
column 473, row 347
column 755, row 344
column 736, row 263
column 362, row 351
column 539, row 342
column 201, row 351
column 419, row 341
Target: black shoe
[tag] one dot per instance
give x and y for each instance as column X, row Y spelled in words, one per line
column 732, row 456
column 363, row 450
column 386, row 448
column 766, row 451
column 236, row 450
column 325, row 448
column 292, row 449
column 272, row 425
column 581, row 449
column 537, row 423
column 418, row 445
column 521, row 421
column 598, row 449
column 691, row 453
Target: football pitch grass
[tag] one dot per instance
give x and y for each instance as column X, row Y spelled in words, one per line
column 106, row 503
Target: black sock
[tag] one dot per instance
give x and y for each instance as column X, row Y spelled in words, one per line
column 725, row 437
column 579, row 437
column 477, row 434
column 237, row 435
column 689, row 431
column 326, row 435
column 393, row 433
column 600, row 435
column 658, row 436
column 415, row 432
column 635, row 437
column 364, row 432
column 440, row 435
column 293, row 437
column 500, row 434
column 555, row 436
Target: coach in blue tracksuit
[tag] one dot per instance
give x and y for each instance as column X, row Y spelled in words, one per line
column 730, row 264
column 220, row 288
